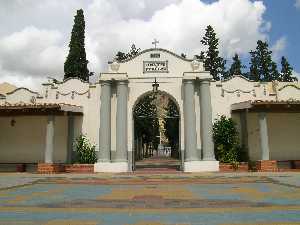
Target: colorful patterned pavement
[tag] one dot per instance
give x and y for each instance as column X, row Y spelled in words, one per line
column 249, row 198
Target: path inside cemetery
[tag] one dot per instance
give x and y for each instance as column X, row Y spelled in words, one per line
column 149, row 199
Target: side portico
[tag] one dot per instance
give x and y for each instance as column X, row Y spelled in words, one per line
column 37, row 133
column 269, row 131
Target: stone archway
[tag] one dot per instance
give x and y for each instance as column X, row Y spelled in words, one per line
column 156, row 131
column 127, row 81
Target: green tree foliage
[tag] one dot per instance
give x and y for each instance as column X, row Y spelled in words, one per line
column 226, row 140
column 133, row 51
column 275, row 75
column 146, row 121
column 120, row 56
column 183, row 55
column 286, row 74
column 76, row 63
column 262, row 67
column 172, row 128
column 235, row 68
column 85, row 152
column 201, row 56
column 254, row 71
column 213, row 62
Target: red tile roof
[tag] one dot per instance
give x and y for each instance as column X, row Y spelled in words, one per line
column 7, row 109
column 268, row 106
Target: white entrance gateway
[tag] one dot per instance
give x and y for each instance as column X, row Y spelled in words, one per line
column 184, row 80
column 103, row 111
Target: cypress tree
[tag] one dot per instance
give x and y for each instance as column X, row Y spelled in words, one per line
column 201, row 56
column 286, row 71
column 213, row 62
column 236, row 67
column 76, row 63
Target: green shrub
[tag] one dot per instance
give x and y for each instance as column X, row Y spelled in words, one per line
column 226, row 140
column 85, row 152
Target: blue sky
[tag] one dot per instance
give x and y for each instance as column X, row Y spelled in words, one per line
column 285, row 19
column 284, row 16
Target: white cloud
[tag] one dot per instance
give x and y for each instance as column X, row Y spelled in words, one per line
column 278, row 48
column 296, row 74
column 33, row 51
column 30, row 82
column 297, row 4
column 38, row 48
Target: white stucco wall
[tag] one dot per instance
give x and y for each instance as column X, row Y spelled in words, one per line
column 78, row 93
column 21, row 95
column 75, row 92
column 284, row 130
column 25, row 141
column 176, row 65
column 238, row 89
column 289, row 91
column 283, row 135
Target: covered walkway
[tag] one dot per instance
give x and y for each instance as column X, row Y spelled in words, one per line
column 270, row 131
column 37, row 133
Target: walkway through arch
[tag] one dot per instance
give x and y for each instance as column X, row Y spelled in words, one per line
column 156, row 118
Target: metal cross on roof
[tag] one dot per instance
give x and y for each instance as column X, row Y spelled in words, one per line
column 155, row 42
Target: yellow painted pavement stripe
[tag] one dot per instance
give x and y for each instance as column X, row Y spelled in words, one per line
column 150, row 210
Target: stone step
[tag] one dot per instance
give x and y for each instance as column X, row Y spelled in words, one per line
column 158, row 165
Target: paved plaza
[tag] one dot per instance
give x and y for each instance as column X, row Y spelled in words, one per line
column 146, row 199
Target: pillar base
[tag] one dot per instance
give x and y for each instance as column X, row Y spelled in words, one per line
column 111, row 167
column 21, row 167
column 47, row 168
column 201, row 166
column 266, row 166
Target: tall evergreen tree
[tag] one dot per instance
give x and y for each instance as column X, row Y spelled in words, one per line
column 286, row 71
column 254, row 71
column 261, row 64
column 236, row 67
column 213, row 62
column 201, row 56
column 76, row 63
column 275, row 75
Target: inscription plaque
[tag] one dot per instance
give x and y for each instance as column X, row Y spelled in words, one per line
column 155, row 67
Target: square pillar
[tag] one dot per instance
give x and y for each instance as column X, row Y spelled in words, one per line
column 49, row 147
column 263, row 134
column 48, row 166
column 70, row 155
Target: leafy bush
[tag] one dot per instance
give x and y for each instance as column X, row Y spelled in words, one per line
column 85, row 152
column 226, row 139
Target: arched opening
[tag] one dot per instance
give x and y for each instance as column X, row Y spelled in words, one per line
column 156, row 118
